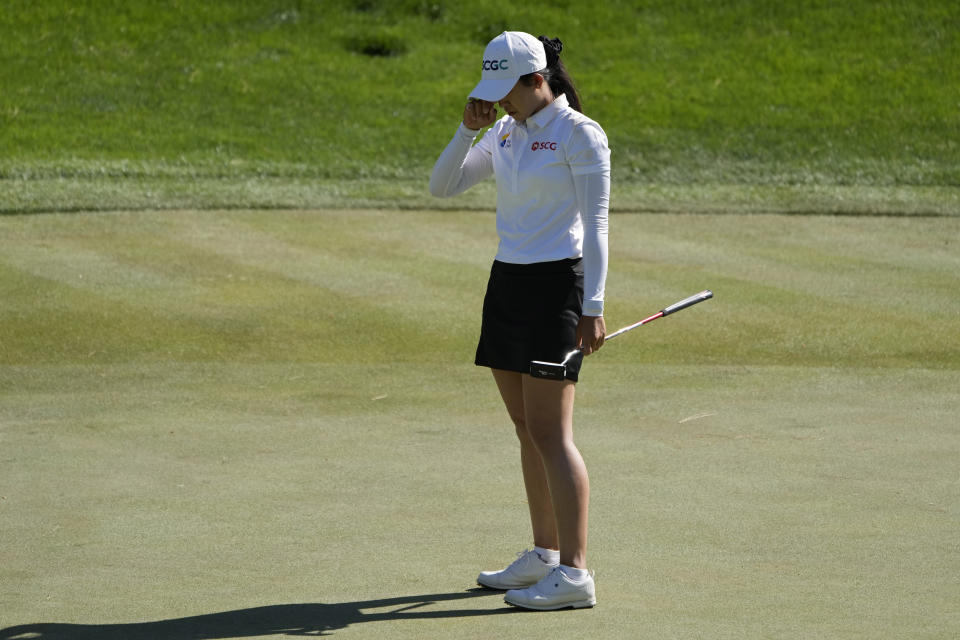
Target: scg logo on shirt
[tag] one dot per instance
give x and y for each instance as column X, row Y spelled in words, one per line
column 537, row 146
column 493, row 65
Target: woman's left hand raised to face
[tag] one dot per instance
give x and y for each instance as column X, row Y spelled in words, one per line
column 590, row 333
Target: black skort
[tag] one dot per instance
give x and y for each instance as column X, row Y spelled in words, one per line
column 531, row 312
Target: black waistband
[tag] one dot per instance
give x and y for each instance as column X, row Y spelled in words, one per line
column 537, row 268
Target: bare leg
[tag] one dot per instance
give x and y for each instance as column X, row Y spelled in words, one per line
column 542, row 516
column 548, row 407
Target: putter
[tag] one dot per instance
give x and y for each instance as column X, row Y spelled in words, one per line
column 558, row 370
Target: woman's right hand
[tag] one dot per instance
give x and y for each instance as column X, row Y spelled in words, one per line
column 479, row 114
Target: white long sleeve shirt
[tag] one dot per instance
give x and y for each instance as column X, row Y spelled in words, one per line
column 553, row 188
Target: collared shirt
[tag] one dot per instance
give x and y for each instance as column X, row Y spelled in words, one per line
column 538, row 218
column 538, row 166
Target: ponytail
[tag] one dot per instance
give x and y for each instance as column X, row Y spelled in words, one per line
column 556, row 74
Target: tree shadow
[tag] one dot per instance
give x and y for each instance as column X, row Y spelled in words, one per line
column 309, row 619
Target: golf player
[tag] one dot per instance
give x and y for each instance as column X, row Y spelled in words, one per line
column 545, row 294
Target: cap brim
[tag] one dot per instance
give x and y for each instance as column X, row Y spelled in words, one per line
column 493, row 89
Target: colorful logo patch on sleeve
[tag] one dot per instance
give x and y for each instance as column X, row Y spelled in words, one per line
column 504, row 142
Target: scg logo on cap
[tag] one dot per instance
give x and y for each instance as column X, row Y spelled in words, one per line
column 494, row 65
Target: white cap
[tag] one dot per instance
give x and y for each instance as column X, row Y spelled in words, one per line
column 508, row 56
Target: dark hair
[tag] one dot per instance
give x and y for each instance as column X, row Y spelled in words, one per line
column 556, row 74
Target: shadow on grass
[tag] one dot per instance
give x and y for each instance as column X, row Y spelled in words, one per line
column 289, row 619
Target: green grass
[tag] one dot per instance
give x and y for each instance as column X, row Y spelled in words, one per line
column 252, row 103
column 236, row 393
column 257, row 423
column 362, row 286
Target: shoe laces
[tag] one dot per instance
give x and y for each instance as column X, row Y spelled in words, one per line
column 550, row 582
column 522, row 556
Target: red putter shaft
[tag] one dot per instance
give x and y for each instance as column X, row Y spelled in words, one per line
column 557, row 370
column 706, row 294
column 633, row 326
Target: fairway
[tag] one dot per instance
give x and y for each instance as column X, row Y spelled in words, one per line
column 258, row 424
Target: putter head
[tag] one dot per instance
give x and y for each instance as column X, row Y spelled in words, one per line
column 548, row 370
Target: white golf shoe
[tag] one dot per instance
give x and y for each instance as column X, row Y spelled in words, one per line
column 526, row 570
column 555, row 591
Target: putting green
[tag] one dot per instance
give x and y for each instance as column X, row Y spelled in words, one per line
column 257, row 424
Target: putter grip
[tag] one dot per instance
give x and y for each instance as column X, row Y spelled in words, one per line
column 688, row 302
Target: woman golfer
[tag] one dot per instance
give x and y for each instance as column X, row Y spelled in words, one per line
column 545, row 293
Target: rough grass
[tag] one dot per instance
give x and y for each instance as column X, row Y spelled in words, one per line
column 146, row 102
column 140, row 190
column 252, row 424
